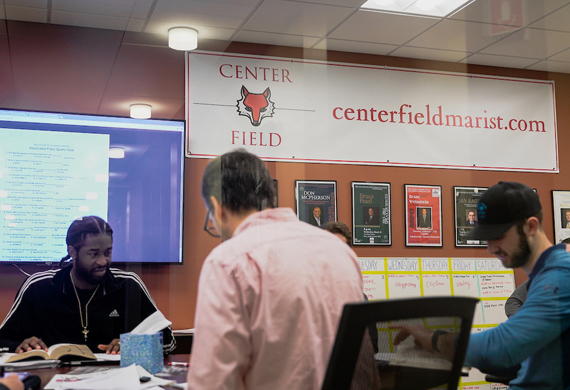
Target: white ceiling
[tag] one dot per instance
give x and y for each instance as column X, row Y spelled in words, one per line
column 526, row 34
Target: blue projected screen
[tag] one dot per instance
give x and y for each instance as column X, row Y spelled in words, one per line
column 55, row 168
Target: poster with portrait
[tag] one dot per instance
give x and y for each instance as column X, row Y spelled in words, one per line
column 371, row 217
column 561, row 217
column 423, row 215
column 466, row 199
column 316, row 201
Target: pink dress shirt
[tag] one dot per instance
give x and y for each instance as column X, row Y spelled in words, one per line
column 269, row 303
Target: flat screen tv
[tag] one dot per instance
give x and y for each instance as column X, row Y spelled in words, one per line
column 56, row 167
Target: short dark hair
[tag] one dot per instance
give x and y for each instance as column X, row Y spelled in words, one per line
column 83, row 227
column 240, row 181
column 339, row 228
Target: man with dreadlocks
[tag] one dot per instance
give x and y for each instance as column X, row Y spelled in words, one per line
column 85, row 302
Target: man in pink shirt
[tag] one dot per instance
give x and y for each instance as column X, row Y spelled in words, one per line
column 271, row 295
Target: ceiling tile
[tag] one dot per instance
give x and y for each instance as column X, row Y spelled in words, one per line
column 135, row 25
column 89, row 20
column 276, row 39
column 562, row 56
column 501, row 61
column 141, row 9
column 555, row 21
column 194, row 19
column 2, row 13
column 296, row 18
column 456, row 35
column 378, row 27
column 121, row 8
column 228, row 8
column 342, row 3
column 38, row 15
column 552, row 66
column 513, row 13
column 27, row 3
column 355, row 47
column 429, row 54
column 531, row 43
column 204, row 32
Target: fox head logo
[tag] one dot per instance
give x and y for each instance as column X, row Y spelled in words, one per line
column 255, row 106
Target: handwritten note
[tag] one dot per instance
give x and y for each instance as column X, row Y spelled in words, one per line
column 404, row 286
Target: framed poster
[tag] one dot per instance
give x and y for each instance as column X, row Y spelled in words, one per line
column 371, row 217
column 561, row 217
column 423, row 215
column 466, row 199
column 316, row 201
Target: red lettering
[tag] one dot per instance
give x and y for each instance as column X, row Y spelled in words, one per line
column 477, row 122
column 440, row 118
column 392, row 113
column 402, row 112
column 348, row 111
column 222, row 72
column 275, row 74
column 239, row 71
column 364, row 113
column 248, row 70
column 271, row 139
column 261, row 140
column 372, row 111
column 334, row 113
column 381, row 114
column 511, row 124
column 285, row 75
column 234, row 136
column 264, row 73
column 499, row 122
column 421, row 116
column 252, row 138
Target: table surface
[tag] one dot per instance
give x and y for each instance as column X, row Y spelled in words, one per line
column 46, row 374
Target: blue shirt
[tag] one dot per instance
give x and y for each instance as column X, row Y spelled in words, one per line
column 538, row 336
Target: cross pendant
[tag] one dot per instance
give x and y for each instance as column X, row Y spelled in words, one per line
column 85, row 331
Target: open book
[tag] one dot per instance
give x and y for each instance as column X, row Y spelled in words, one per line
column 55, row 352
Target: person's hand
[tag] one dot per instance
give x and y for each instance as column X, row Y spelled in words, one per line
column 12, row 382
column 422, row 335
column 31, row 344
column 113, row 348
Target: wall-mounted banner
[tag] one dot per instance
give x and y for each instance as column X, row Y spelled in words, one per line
column 371, row 218
column 423, row 215
column 316, row 201
column 294, row 110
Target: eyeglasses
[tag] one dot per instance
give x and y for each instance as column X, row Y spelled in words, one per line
column 211, row 230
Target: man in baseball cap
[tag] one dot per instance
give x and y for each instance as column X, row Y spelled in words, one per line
column 538, row 337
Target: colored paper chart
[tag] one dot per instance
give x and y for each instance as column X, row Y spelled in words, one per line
column 405, row 277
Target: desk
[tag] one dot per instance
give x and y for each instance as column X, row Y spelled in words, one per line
column 46, row 374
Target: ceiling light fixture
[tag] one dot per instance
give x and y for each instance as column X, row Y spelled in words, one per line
column 141, row 111
column 433, row 8
column 182, row 38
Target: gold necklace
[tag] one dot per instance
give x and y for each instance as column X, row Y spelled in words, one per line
column 85, row 330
